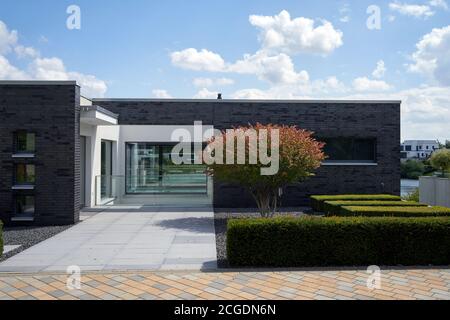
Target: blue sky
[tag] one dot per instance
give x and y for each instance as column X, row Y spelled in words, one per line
column 294, row 49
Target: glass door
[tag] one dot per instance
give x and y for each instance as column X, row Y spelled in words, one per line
column 106, row 170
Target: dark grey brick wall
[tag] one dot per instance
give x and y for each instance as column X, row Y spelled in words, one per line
column 52, row 112
column 365, row 120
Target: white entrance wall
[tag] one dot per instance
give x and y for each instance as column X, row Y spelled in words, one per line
column 94, row 136
column 120, row 135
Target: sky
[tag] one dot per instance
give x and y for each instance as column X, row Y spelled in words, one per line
column 253, row 49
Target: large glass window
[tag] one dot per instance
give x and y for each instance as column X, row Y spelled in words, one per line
column 25, row 142
column 106, row 170
column 24, row 205
column 350, row 150
column 150, row 169
column 25, row 174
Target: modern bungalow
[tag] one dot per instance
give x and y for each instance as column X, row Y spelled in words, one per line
column 60, row 151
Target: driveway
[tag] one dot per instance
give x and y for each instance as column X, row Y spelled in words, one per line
column 127, row 238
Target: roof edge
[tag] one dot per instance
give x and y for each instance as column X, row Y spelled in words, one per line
column 38, row 82
column 247, row 100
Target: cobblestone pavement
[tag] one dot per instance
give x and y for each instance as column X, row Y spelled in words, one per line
column 304, row 284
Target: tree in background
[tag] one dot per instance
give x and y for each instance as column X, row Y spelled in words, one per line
column 299, row 155
column 440, row 160
column 412, row 169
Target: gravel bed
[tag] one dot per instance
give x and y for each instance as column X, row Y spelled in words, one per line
column 220, row 225
column 27, row 237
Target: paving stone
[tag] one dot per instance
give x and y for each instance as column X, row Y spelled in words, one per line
column 57, row 293
column 228, row 285
column 161, row 286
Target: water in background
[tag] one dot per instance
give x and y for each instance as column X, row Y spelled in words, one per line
column 408, row 186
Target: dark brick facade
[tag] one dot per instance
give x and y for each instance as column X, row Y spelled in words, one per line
column 327, row 119
column 52, row 112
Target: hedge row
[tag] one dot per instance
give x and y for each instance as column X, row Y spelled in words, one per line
column 334, row 207
column 1, row 238
column 318, row 201
column 395, row 211
column 337, row 241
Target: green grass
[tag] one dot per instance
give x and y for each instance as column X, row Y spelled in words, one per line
column 318, row 200
column 395, row 211
column 334, row 207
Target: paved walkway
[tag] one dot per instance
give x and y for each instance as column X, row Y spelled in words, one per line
column 127, row 238
column 350, row 284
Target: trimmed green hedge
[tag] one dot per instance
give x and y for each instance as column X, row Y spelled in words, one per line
column 334, row 207
column 317, row 201
column 1, row 238
column 338, row 241
column 395, row 211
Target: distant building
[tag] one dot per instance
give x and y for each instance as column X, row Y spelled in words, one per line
column 418, row 149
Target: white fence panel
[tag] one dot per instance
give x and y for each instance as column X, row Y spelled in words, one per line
column 435, row 191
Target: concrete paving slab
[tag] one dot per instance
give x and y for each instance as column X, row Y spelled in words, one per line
column 9, row 248
column 126, row 238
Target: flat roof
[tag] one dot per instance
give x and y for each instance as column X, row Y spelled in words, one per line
column 247, row 100
column 39, row 82
column 73, row 82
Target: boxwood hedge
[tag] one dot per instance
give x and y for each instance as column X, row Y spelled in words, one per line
column 338, row 241
column 395, row 211
column 318, row 200
column 334, row 207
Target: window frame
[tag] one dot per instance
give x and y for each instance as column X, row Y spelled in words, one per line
column 26, row 183
column 16, row 143
column 352, row 161
column 159, row 146
column 19, row 215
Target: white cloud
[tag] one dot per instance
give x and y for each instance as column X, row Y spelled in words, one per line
column 439, row 4
column 278, row 69
column 203, row 60
column 328, row 85
column 26, row 52
column 344, row 13
column 42, row 68
column 54, row 69
column 280, row 33
column 415, row 10
column 9, row 72
column 432, row 56
column 425, row 110
column 281, row 92
column 366, row 84
column 90, row 85
column 205, row 94
column 380, row 70
column 8, row 39
column 317, row 88
column 48, row 69
column 43, row 39
column 161, row 94
column 209, row 82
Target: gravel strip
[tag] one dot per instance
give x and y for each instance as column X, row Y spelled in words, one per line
column 220, row 225
column 27, row 237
